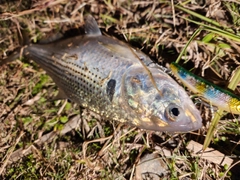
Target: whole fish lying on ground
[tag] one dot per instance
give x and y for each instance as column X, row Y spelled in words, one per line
column 115, row 81
column 217, row 96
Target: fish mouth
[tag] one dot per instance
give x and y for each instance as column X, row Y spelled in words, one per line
column 176, row 128
column 183, row 128
column 194, row 119
column 188, row 122
column 191, row 126
column 187, row 119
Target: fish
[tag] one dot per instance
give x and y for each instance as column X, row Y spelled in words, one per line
column 217, row 96
column 114, row 80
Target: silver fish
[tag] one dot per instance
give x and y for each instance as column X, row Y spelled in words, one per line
column 115, row 81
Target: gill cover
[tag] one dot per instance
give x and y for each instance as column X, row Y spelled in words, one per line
column 165, row 108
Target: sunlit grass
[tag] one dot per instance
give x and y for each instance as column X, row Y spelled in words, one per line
column 147, row 25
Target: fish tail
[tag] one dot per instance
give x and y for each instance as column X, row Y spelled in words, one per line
column 15, row 55
column 24, row 40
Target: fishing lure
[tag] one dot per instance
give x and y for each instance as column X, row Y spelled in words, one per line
column 218, row 96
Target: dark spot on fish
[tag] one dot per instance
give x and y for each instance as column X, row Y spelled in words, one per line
column 111, row 88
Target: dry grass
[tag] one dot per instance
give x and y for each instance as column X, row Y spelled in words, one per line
column 42, row 139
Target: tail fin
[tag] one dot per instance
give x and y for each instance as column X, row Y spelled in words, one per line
column 23, row 40
column 12, row 57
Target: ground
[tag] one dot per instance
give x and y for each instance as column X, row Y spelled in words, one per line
column 45, row 139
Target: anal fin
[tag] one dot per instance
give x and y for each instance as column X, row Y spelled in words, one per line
column 61, row 95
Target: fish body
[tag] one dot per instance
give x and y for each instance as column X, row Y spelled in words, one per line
column 115, row 81
column 218, row 96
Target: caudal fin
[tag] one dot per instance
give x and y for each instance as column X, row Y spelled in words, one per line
column 15, row 55
column 23, row 37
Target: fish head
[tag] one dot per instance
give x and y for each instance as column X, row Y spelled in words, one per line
column 157, row 102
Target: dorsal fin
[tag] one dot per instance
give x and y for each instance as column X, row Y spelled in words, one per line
column 91, row 26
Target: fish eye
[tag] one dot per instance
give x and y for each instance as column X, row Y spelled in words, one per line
column 175, row 111
column 172, row 112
